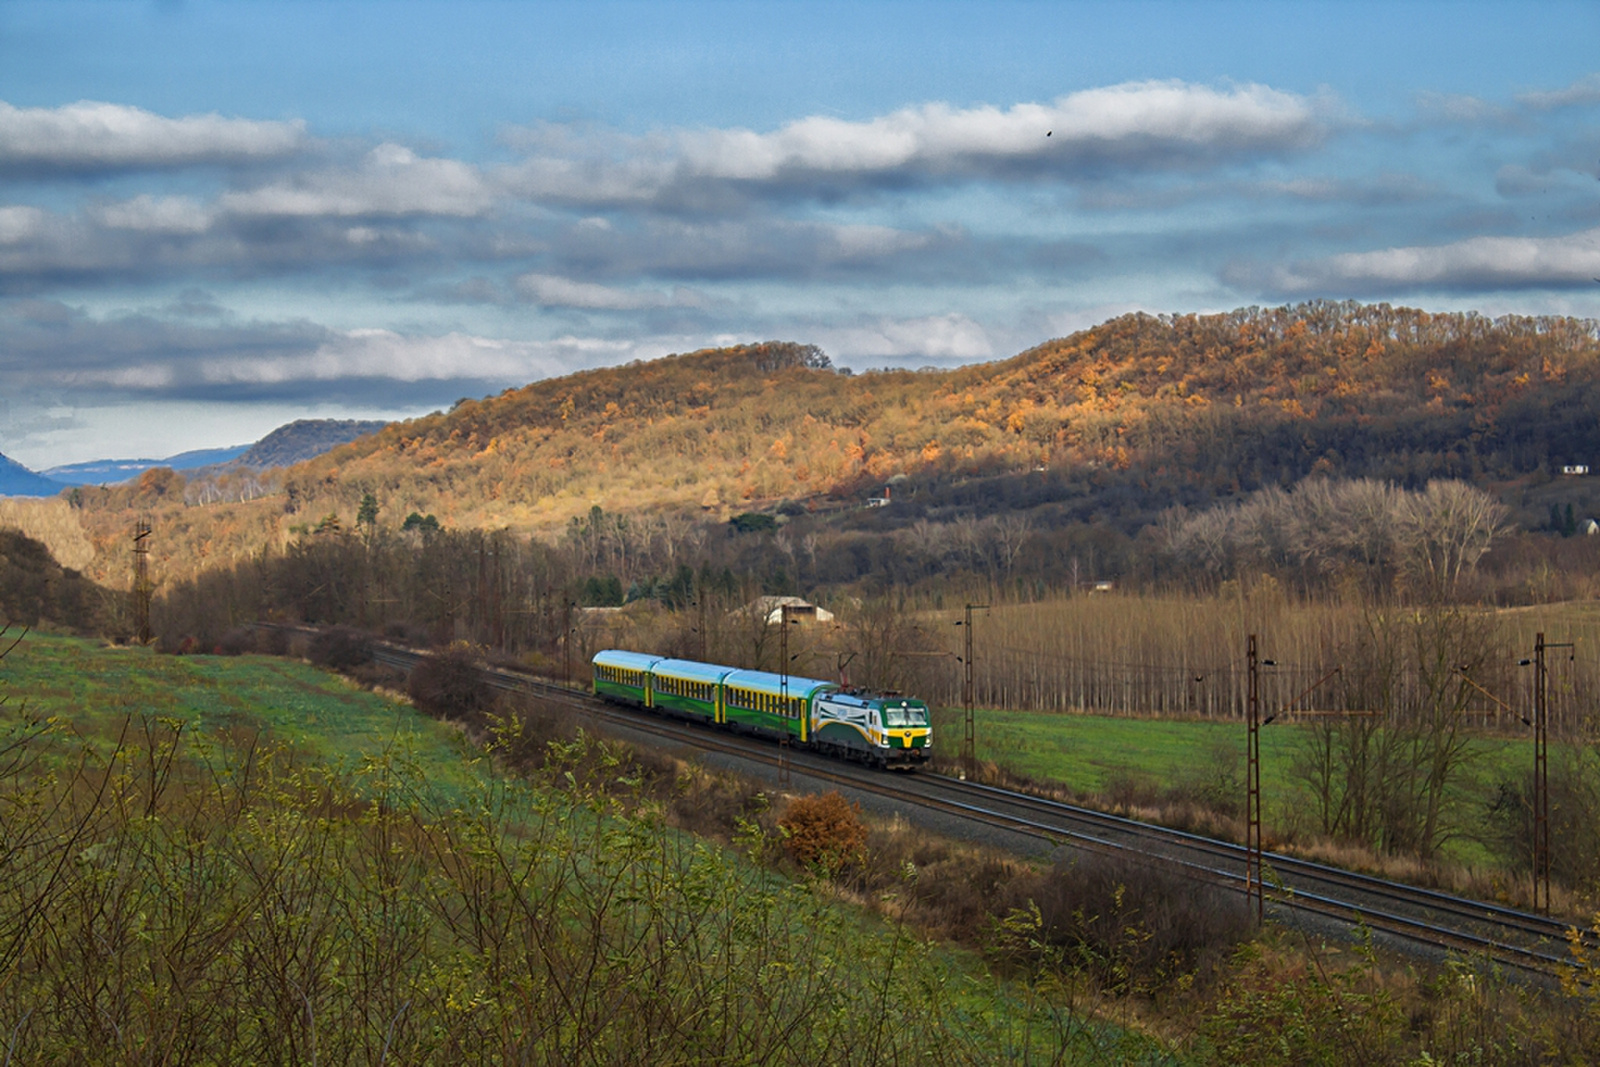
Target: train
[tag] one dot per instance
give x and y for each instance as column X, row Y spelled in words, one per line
column 883, row 729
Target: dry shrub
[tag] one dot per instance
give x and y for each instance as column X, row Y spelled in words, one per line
column 1136, row 926
column 340, row 648
column 943, row 887
column 375, row 675
column 272, row 642
column 413, row 634
column 824, row 831
column 448, row 685
column 716, row 805
column 236, row 642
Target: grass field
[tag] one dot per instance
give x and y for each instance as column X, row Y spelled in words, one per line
column 94, row 689
column 1102, row 754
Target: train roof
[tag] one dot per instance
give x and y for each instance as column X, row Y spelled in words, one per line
column 691, row 670
column 863, row 700
column 630, row 661
column 775, row 684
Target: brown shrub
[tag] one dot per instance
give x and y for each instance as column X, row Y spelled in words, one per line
column 714, row 805
column 1137, row 927
column 375, row 675
column 824, row 832
column 340, row 648
column 237, row 641
column 448, row 685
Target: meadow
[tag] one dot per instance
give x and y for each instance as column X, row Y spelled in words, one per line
column 1137, row 763
column 92, row 690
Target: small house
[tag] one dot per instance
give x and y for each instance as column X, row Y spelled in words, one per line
column 774, row 608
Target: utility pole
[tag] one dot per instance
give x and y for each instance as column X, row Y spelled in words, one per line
column 1252, row 805
column 141, row 580
column 1541, row 774
column 1253, row 868
column 969, row 737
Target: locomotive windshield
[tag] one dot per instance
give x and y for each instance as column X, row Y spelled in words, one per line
column 906, row 716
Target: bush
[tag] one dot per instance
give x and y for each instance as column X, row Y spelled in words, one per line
column 375, row 675
column 753, row 522
column 448, row 685
column 1136, row 927
column 270, row 642
column 824, row 832
column 407, row 633
column 236, row 642
column 340, row 649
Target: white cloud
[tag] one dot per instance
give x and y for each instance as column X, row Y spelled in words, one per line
column 872, row 242
column 951, row 338
column 1476, row 263
column 89, row 135
column 374, row 353
column 1132, row 117
column 1458, row 107
column 391, row 180
column 1133, row 125
column 396, row 357
column 1585, row 90
column 554, row 291
column 20, row 223
column 151, row 214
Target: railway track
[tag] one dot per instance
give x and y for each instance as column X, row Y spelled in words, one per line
column 1532, row 944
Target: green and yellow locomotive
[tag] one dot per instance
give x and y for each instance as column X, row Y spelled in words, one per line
column 890, row 731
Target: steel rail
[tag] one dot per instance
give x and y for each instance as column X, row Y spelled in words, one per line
column 1312, row 898
column 1463, row 907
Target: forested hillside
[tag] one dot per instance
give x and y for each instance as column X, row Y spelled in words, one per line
column 1111, row 426
column 1241, row 400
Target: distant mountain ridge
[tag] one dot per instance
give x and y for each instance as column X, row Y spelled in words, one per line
column 17, row 480
column 295, row 442
column 112, row 471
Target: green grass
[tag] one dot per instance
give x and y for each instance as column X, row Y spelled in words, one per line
column 1089, row 753
column 94, row 689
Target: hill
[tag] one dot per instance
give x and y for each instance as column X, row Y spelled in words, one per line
column 112, row 471
column 300, row 440
column 1109, row 426
column 35, row 590
column 17, row 480
column 1155, row 408
column 304, row 439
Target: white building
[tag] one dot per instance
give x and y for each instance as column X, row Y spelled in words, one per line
column 801, row 611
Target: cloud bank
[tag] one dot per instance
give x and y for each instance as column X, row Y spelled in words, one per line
column 91, row 136
column 1472, row 265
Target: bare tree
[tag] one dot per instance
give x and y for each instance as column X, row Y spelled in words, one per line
column 1446, row 529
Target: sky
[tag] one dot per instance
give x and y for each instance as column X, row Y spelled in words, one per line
column 216, row 217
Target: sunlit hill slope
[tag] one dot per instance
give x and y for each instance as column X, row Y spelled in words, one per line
column 1157, row 409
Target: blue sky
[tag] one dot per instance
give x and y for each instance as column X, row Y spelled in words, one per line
column 216, row 217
